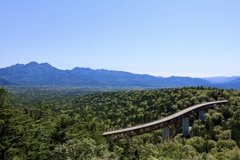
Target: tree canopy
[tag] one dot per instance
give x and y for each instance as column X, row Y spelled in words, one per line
column 48, row 123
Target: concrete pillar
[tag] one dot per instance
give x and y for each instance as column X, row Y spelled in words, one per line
column 201, row 115
column 165, row 134
column 185, row 126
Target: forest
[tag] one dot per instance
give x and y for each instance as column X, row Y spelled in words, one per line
column 66, row 123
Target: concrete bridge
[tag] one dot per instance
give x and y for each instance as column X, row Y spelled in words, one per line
column 164, row 123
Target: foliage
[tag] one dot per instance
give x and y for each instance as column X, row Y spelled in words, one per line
column 43, row 123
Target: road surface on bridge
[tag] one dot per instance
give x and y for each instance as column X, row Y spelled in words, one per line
column 163, row 120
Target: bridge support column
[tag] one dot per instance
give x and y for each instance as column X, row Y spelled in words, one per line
column 201, row 115
column 165, row 134
column 185, row 126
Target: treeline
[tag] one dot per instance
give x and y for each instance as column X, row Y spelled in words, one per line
column 62, row 125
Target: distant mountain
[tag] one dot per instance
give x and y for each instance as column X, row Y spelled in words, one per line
column 234, row 84
column 34, row 73
column 225, row 82
column 31, row 74
column 236, row 80
column 187, row 81
column 221, row 79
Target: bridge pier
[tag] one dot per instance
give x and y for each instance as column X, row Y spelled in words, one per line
column 201, row 115
column 165, row 134
column 185, row 126
column 148, row 127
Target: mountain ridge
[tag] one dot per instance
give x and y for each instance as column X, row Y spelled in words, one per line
column 35, row 73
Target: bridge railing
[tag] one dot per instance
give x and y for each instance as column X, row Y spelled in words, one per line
column 158, row 124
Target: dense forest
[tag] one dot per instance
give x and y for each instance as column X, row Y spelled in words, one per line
column 59, row 123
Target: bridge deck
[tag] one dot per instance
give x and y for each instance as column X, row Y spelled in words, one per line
column 168, row 118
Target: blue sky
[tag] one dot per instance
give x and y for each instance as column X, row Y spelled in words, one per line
column 162, row 38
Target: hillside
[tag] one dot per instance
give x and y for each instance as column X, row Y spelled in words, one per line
column 221, row 79
column 233, row 84
column 5, row 82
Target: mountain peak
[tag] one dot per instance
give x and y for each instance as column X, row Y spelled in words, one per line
column 18, row 65
column 35, row 64
column 38, row 64
column 32, row 63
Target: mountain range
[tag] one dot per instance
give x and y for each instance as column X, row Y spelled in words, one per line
column 34, row 73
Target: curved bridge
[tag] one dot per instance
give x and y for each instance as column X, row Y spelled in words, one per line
column 165, row 122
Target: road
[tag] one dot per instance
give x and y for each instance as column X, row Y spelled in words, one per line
column 165, row 119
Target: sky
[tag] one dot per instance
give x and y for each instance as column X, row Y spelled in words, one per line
column 157, row 37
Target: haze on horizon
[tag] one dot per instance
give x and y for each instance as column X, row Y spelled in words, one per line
column 161, row 38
